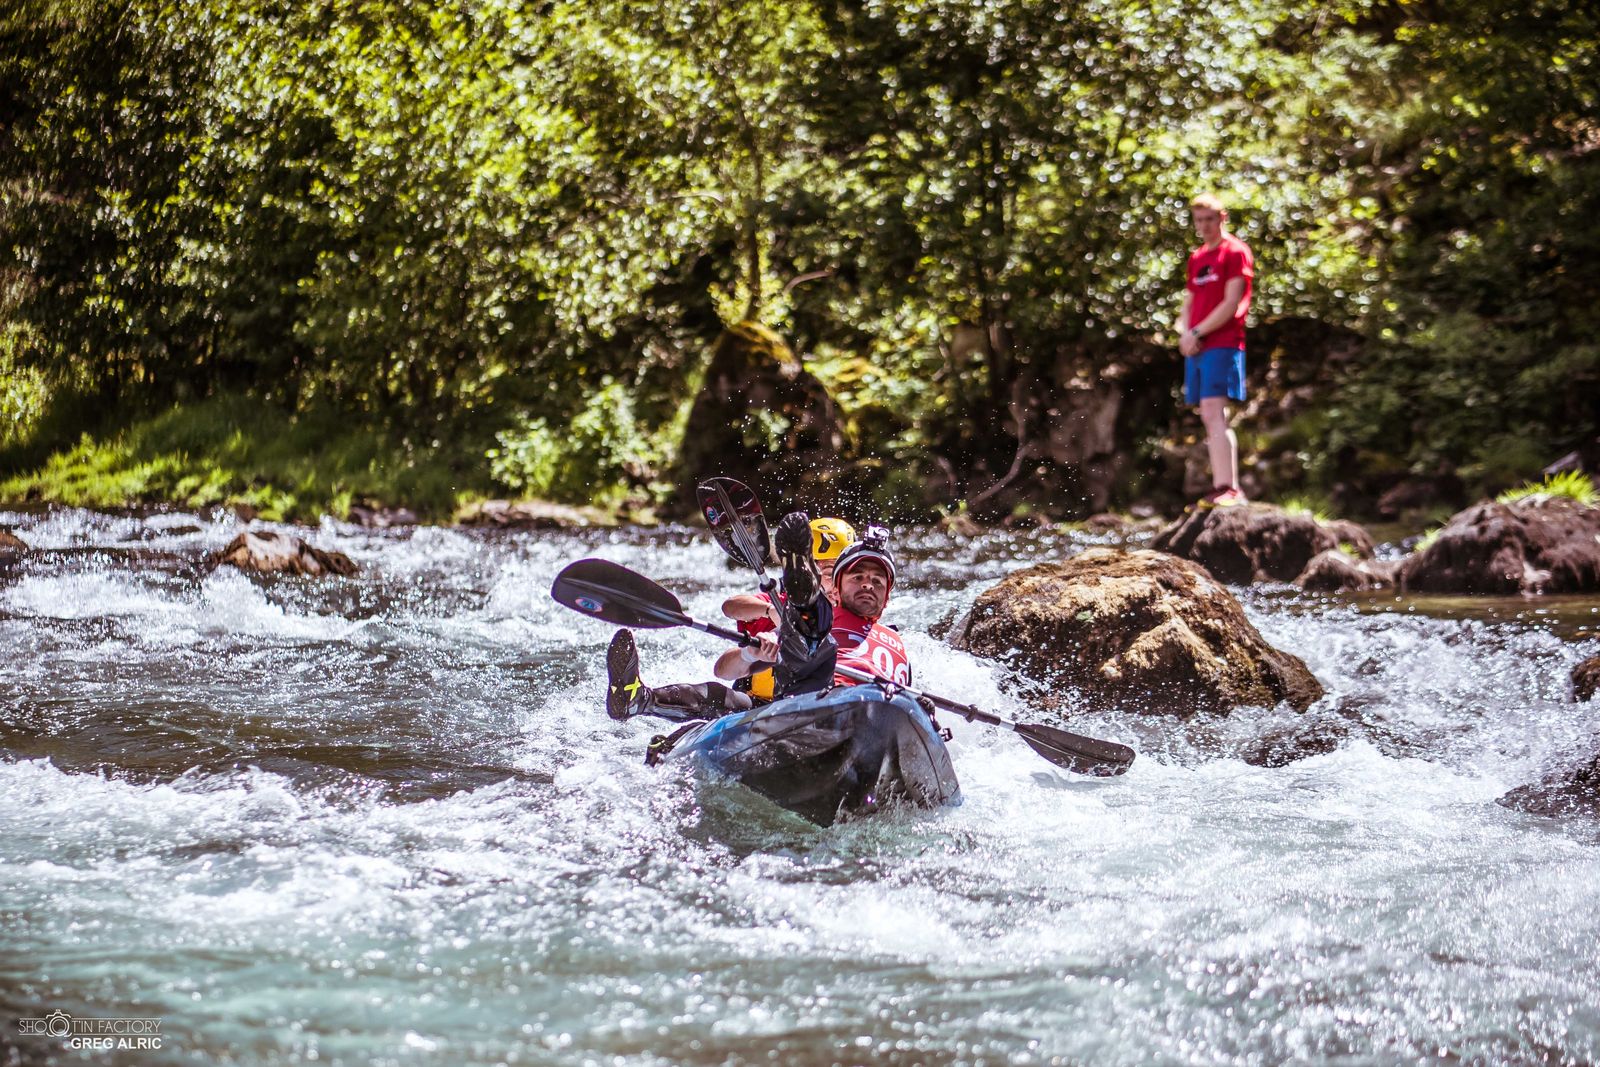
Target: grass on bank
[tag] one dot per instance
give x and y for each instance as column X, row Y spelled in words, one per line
column 1314, row 506
column 1568, row 485
column 234, row 449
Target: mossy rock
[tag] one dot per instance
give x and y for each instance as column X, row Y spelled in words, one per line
column 1258, row 542
column 1133, row 630
column 1527, row 547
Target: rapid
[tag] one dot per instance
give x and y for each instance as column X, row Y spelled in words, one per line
column 386, row 820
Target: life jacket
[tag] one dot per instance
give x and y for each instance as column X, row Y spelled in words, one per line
column 869, row 646
column 761, row 684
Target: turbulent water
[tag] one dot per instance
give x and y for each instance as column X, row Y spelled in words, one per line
column 386, row 820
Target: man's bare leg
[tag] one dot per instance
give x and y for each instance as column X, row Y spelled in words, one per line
column 1221, row 442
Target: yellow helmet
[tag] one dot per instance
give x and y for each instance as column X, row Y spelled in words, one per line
column 829, row 537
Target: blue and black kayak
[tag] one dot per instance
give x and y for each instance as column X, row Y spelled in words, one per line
column 829, row 756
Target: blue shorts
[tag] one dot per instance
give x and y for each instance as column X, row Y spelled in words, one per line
column 1214, row 372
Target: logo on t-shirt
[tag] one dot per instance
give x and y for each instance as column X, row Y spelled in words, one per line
column 1207, row 273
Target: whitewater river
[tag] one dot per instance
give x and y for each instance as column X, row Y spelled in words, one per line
column 386, row 820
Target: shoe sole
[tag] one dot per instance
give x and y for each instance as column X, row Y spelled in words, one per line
column 622, row 660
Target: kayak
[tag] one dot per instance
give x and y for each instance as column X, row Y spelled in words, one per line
column 829, row 756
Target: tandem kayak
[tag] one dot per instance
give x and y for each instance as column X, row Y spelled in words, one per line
column 829, row 756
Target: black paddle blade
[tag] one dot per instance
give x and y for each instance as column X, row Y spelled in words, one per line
column 611, row 592
column 1074, row 752
column 725, row 526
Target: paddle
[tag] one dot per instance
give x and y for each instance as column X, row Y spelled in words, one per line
column 733, row 511
column 605, row 590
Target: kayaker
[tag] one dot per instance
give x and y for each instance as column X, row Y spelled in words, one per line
column 749, row 667
column 815, row 635
column 864, row 577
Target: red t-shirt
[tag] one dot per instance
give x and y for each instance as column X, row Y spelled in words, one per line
column 1209, row 272
column 762, row 625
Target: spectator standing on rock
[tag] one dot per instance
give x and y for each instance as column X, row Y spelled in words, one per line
column 1211, row 338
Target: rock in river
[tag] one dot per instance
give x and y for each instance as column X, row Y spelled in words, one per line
column 1334, row 571
column 1135, row 630
column 1586, row 679
column 267, row 552
column 1258, row 542
column 1535, row 545
column 1571, row 793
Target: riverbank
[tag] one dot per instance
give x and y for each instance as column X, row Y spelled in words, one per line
column 234, row 451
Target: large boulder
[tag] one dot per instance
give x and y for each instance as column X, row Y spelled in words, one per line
column 1336, row 571
column 267, row 552
column 1258, row 542
column 1134, row 630
column 1586, row 679
column 763, row 418
column 1536, row 545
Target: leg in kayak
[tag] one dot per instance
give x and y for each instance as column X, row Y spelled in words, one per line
column 627, row 695
column 806, row 648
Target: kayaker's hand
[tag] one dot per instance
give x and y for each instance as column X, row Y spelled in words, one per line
column 765, row 653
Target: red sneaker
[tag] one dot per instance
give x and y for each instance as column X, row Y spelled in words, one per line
column 1223, row 496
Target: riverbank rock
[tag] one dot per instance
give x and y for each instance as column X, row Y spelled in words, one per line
column 1334, row 571
column 1134, row 630
column 1586, row 679
column 379, row 517
column 532, row 515
column 267, row 552
column 1258, row 542
column 1527, row 547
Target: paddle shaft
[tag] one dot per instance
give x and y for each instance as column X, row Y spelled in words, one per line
column 969, row 712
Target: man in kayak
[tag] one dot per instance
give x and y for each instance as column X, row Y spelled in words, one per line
column 815, row 636
column 749, row 667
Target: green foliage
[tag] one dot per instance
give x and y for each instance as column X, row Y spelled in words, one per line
column 24, row 395
column 1484, row 352
column 1568, row 485
column 1317, row 508
column 417, row 213
column 235, row 450
column 592, row 460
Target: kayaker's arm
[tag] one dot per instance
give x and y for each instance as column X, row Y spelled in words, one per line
column 737, row 663
column 748, row 607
